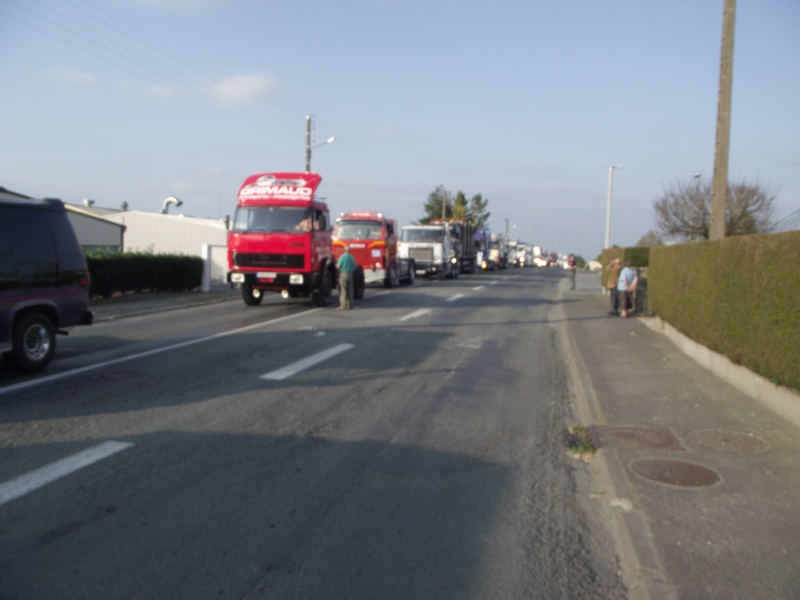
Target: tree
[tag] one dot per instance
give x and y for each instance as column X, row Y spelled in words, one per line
column 437, row 199
column 684, row 211
column 650, row 239
column 456, row 207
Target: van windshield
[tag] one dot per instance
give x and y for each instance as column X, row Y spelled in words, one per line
column 272, row 219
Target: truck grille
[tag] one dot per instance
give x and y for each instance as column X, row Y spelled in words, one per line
column 421, row 254
column 274, row 261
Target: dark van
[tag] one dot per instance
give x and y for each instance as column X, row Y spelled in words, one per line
column 44, row 281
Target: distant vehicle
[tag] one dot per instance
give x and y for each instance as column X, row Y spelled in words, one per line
column 44, row 281
column 372, row 239
column 498, row 251
column 481, row 241
column 431, row 249
column 280, row 240
column 462, row 234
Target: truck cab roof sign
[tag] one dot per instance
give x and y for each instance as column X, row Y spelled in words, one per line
column 279, row 186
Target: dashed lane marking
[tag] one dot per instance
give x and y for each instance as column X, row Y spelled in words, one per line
column 24, row 484
column 310, row 361
column 456, row 297
column 416, row 314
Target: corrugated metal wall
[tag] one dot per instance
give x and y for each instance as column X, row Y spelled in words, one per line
column 169, row 234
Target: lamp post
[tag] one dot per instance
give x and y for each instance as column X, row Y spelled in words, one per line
column 608, row 205
column 309, row 148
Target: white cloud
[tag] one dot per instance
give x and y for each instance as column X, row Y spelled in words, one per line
column 239, row 90
column 71, row 77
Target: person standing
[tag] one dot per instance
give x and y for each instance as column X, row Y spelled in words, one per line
column 612, row 279
column 572, row 265
column 626, row 284
column 346, row 266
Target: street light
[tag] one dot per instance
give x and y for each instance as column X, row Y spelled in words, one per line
column 309, row 148
column 608, row 207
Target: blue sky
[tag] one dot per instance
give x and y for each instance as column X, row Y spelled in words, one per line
column 525, row 102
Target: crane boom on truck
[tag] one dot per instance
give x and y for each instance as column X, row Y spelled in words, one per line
column 280, row 240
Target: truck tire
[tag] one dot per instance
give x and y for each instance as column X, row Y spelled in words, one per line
column 33, row 343
column 412, row 273
column 359, row 283
column 391, row 279
column 321, row 294
column 251, row 296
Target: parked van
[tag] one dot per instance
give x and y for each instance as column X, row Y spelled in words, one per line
column 44, row 281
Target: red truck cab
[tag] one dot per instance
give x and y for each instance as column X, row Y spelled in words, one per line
column 280, row 239
column 372, row 239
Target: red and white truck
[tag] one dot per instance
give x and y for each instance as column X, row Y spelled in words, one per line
column 373, row 244
column 280, row 240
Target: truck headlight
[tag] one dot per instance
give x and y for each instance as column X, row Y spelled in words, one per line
column 296, row 279
column 237, row 277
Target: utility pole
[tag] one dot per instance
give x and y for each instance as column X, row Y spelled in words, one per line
column 308, row 143
column 608, row 203
column 719, row 193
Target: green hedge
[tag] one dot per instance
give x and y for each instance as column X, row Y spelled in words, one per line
column 139, row 272
column 737, row 296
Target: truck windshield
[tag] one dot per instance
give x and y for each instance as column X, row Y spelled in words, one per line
column 272, row 219
column 358, row 230
column 422, row 235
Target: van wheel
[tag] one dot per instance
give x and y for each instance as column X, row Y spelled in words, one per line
column 251, row 296
column 33, row 343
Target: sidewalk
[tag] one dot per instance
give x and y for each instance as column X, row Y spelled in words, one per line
column 701, row 482
column 138, row 304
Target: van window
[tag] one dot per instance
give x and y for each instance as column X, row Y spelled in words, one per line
column 34, row 250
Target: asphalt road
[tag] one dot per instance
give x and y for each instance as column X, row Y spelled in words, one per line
column 411, row 448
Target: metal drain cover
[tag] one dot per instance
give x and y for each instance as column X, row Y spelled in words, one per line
column 734, row 442
column 675, row 472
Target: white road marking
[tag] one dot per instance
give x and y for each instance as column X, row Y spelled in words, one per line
column 416, row 314
column 478, row 289
column 26, row 384
column 24, row 484
column 301, row 365
column 456, row 297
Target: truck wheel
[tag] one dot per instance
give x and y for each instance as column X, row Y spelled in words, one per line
column 359, row 284
column 412, row 273
column 322, row 293
column 251, row 296
column 391, row 279
column 33, row 343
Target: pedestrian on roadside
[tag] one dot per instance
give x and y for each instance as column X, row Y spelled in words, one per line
column 626, row 284
column 572, row 266
column 612, row 279
column 346, row 266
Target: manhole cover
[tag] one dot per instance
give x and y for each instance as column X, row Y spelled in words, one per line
column 674, row 472
column 636, row 437
column 734, row 442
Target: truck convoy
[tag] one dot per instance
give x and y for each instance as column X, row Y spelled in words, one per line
column 431, row 248
column 462, row 234
column 280, row 240
column 372, row 239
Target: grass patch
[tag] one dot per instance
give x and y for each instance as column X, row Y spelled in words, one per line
column 580, row 441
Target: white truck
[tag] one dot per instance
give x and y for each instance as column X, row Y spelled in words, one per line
column 431, row 248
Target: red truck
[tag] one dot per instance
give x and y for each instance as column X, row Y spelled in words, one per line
column 280, row 240
column 373, row 244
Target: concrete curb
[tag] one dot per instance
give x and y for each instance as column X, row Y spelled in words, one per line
column 780, row 400
column 642, row 571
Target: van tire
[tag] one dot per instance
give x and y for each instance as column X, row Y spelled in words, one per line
column 33, row 343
